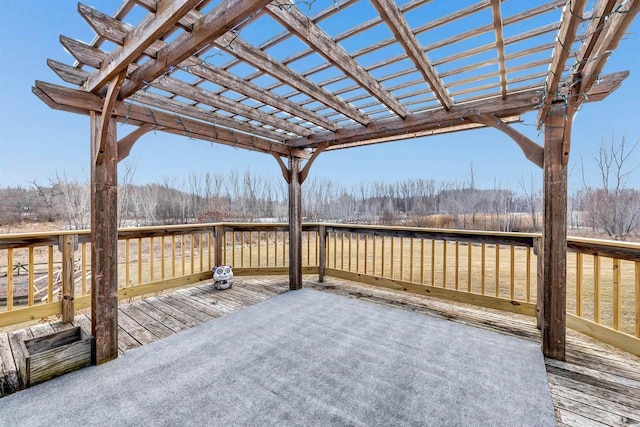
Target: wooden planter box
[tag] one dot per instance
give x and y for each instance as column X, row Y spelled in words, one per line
column 49, row 356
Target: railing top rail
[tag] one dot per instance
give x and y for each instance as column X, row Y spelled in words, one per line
column 433, row 230
column 610, row 248
column 603, row 242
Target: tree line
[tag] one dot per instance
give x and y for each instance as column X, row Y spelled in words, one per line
column 611, row 209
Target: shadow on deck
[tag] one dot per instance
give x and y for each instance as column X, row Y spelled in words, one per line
column 598, row 385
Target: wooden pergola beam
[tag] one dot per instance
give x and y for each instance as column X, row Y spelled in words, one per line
column 153, row 26
column 596, row 24
column 269, row 65
column 77, row 76
column 497, row 29
column 517, row 103
column 398, row 25
column 206, row 97
column 466, row 124
column 83, row 102
column 223, row 18
column 117, row 31
column 296, row 22
column 571, row 19
column 226, row 79
column 607, row 41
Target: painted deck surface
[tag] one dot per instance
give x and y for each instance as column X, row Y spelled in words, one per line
column 598, row 385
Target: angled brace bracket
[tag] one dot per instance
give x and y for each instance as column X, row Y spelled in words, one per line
column 531, row 150
column 305, row 170
column 286, row 173
column 109, row 102
column 126, row 143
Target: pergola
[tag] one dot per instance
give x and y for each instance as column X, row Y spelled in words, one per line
column 271, row 77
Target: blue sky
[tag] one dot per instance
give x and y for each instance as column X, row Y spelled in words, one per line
column 36, row 141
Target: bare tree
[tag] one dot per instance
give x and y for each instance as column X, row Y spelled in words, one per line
column 533, row 198
column 125, row 191
column 614, row 208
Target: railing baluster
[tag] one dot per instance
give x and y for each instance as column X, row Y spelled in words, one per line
column 637, row 283
column 209, row 239
column 579, row 281
column 50, row 274
column 349, row 251
column 469, row 266
column 596, row 288
column 162, row 255
column 259, row 248
column 127, row 273
column 422, row 261
column 616, row 294
column 250, row 249
column 183, row 255
column 482, row 268
column 284, row 249
column 433, row 262
column 512, row 273
column 308, row 248
column 200, row 246
column 151, row 257
column 444, row 264
column 242, row 248
column 392, row 267
column 233, row 248
column 373, row 254
column 9, row 279
column 31, row 263
column 139, row 261
column 335, row 250
column 497, row 267
column 383, row 258
column 267, row 248
column 83, row 268
column 357, row 253
column 275, row 248
column 457, row 273
column 528, row 276
column 173, row 255
column 411, row 260
column 342, row 251
column 366, row 252
column 401, row 258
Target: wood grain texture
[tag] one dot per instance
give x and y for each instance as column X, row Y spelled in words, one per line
column 224, row 17
column 295, row 225
column 104, row 246
column 68, row 283
column 554, row 247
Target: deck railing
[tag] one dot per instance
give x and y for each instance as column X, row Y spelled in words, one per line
column 490, row 269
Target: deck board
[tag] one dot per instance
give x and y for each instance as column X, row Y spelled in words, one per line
column 597, row 386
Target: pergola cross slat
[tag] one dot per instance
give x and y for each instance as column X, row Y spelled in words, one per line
column 206, row 71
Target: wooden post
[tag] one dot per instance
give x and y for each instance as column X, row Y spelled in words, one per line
column 554, row 248
column 219, row 245
column 295, row 224
column 322, row 248
column 104, row 242
column 68, row 244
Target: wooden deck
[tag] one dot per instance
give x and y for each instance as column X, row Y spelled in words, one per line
column 597, row 386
